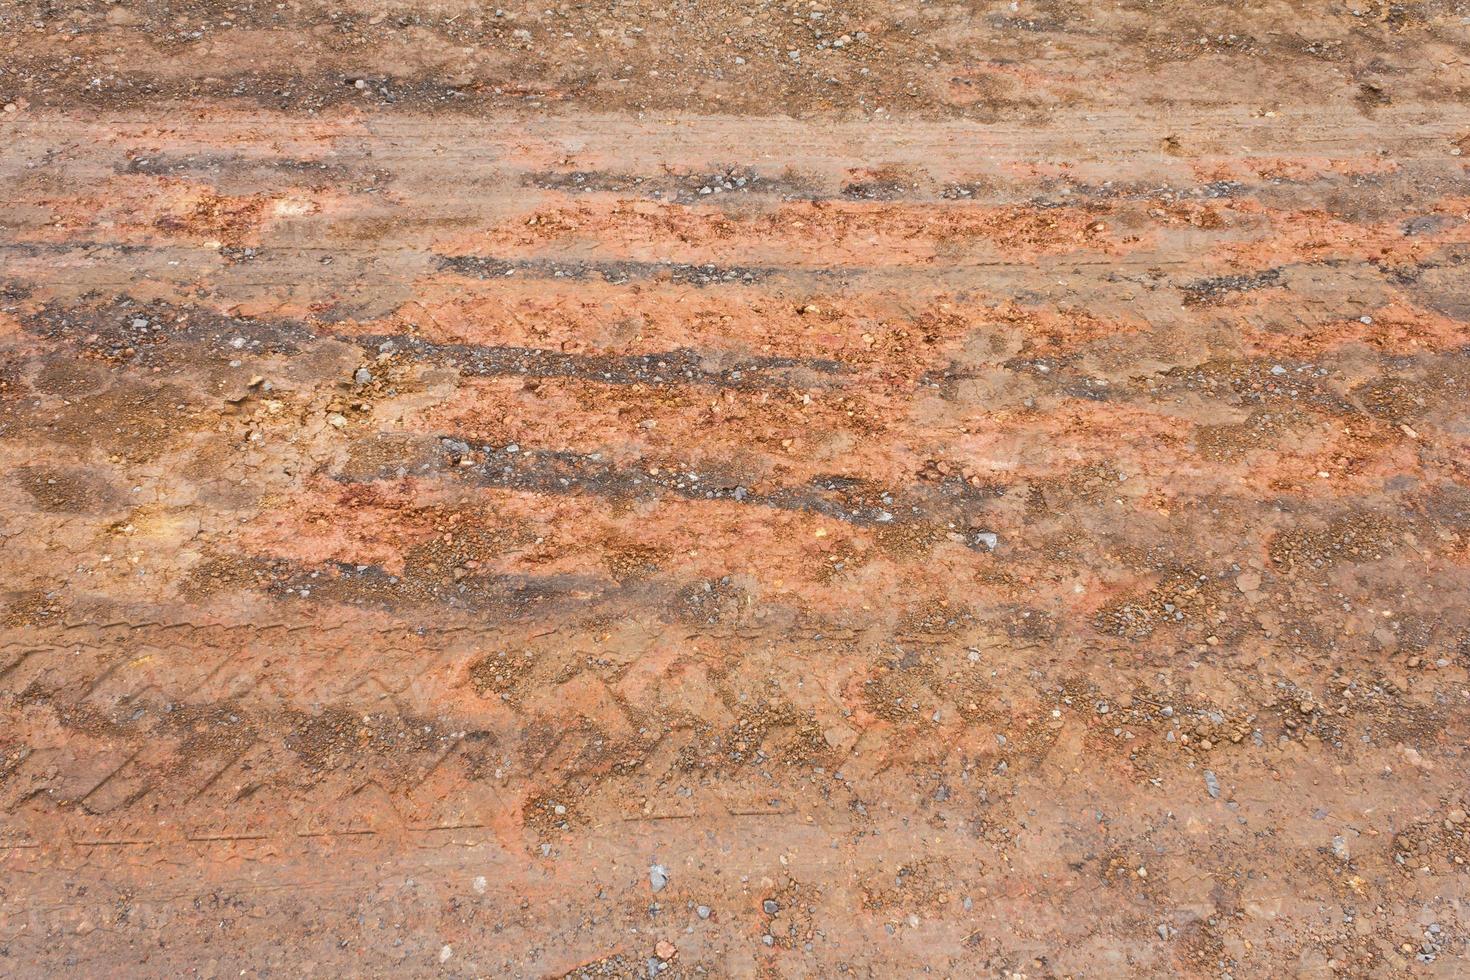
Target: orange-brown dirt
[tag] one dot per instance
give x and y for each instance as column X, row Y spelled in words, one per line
column 630, row 489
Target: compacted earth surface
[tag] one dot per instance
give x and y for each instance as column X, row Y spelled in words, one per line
column 709, row 489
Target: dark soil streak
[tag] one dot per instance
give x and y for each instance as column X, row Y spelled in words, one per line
column 668, row 367
column 557, row 473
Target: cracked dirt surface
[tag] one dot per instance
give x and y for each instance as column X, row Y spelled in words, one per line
column 585, row 491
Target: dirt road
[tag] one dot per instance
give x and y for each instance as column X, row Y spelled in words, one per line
column 631, row 489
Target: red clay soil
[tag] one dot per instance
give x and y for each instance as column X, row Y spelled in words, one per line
column 631, row 489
